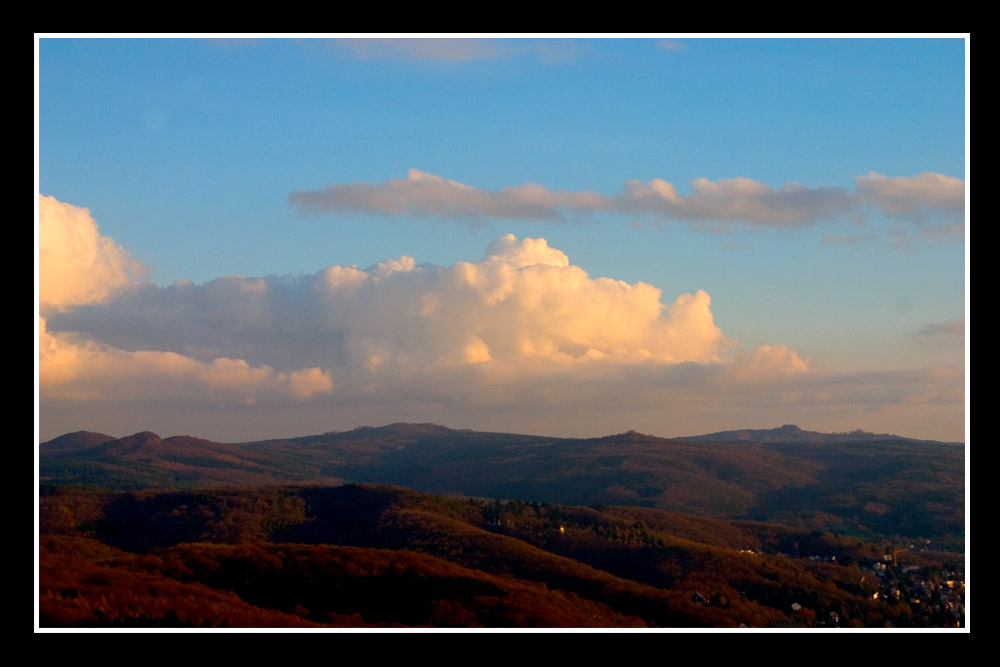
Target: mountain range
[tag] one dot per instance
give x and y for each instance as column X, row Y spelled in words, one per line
column 855, row 483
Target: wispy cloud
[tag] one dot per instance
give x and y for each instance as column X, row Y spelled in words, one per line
column 426, row 195
column 914, row 197
column 853, row 239
column 671, row 45
column 422, row 48
column 952, row 330
column 734, row 200
column 460, row 50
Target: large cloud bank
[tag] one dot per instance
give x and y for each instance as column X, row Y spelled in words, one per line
column 520, row 339
column 79, row 267
column 521, row 304
column 927, row 197
column 522, row 310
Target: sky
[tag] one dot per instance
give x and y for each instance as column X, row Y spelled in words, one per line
column 248, row 238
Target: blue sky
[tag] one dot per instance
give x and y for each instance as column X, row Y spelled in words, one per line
column 829, row 230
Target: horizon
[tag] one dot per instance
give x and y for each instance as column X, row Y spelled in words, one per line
column 559, row 237
column 450, row 428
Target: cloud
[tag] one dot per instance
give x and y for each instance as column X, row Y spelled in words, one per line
column 772, row 358
column 672, row 45
column 78, row 265
column 394, row 330
column 950, row 331
column 915, row 197
column 519, row 339
column 460, row 50
column 426, row 195
column 853, row 239
column 523, row 313
column 735, row 200
column 422, row 48
column 731, row 200
column 523, row 301
column 509, row 250
column 952, row 232
column 89, row 372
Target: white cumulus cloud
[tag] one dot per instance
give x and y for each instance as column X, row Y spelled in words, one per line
column 520, row 339
column 523, row 301
column 78, row 266
column 77, row 263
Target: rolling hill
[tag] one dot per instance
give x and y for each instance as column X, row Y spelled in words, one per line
column 377, row 555
column 860, row 484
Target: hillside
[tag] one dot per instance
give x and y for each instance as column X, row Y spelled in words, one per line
column 873, row 487
column 377, row 555
column 791, row 433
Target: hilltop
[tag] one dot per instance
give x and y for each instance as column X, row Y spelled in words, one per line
column 873, row 486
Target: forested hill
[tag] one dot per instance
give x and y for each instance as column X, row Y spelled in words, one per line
column 792, row 434
column 375, row 555
column 869, row 487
